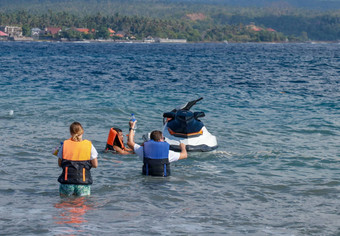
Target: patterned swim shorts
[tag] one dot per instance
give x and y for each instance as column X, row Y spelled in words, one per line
column 74, row 189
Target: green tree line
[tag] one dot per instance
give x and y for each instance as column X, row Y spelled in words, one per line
column 139, row 27
column 296, row 23
column 317, row 26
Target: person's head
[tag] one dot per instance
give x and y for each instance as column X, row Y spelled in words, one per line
column 157, row 136
column 119, row 135
column 76, row 131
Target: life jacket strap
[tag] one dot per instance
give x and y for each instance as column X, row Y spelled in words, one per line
column 147, row 169
column 66, row 172
column 84, row 175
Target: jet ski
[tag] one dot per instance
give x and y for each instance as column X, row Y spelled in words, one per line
column 183, row 126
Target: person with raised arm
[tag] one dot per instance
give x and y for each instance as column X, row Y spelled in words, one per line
column 115, row 142
column 156, row 153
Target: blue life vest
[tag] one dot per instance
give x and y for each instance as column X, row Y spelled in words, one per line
column 156, row 161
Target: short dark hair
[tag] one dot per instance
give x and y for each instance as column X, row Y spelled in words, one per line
column 156, row 135
column 117, row 129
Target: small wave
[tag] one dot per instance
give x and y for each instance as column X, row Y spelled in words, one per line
column 9, row 115
column 99, row 72
column 256, row 154
column 315, row 131
column 298, row 81
column 222, row 153
column 261, row 154
column 6, row 117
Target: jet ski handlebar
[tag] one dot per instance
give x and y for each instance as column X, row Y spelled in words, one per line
column 173, row 114
column 199, row 114
column 189, row 105
column 169, row 115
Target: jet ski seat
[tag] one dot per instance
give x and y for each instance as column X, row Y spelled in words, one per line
column 184, row 123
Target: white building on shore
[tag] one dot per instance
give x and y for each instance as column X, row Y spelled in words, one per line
column 12, row 31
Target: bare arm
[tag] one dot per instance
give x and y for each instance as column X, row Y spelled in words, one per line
column 122, row 151
column 128, row 149
column 131, row 138
column 183, row 153
column 94, row 163
column 59, row 162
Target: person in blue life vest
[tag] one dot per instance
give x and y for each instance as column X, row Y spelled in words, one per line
column 155, row 153
column 76, row 157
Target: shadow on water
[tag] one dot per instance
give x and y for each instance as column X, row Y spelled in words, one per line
column 9, row 116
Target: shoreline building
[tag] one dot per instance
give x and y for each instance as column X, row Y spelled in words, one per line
column 12, row 31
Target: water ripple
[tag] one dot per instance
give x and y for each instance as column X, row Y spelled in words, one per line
column 273, row 107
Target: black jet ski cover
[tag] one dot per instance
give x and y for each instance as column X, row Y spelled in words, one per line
column 185, row 122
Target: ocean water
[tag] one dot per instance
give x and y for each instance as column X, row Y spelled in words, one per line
column 275, row 109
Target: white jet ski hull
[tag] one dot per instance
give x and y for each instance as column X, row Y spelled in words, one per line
column 203, row 143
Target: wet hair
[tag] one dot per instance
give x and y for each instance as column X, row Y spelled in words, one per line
column 76, row 130
column 156, row 135
column 118, row 130
column 116, row 141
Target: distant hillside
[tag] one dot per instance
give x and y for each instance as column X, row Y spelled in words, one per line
column 159, row 8
column 305, row 19
column 306, row 4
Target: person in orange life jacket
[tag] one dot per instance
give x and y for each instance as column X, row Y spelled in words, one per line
column 155, row 153
column 76, row 156
column 115, row 141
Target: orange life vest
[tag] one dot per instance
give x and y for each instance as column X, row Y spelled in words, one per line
column 113, row 135
column 76, row 162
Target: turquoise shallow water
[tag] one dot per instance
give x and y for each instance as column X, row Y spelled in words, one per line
column 273, row 107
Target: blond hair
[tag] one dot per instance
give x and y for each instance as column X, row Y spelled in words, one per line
column 76, row 131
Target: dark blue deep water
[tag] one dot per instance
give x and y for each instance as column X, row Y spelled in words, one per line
column 275, row 109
